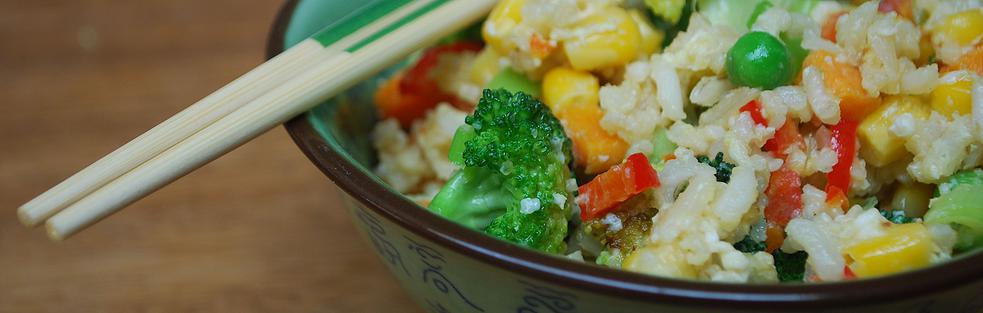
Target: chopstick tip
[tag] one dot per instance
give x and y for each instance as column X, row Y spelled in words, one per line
column 25, row 217
column 53, row 233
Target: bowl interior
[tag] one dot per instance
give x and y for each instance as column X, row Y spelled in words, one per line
column 344, row 122
column 343, row 126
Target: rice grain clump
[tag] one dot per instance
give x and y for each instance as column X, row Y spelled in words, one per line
column 891, row 45
column 416, row 163
column 773, row 21
column 948, row 49
column 785, row 101
column 433, row 135
column 631, row 109
column 703, row 46
column 817, row 157
column 688, row 236
column 828, row 166
column 939, row 145
column 824, row 105
column 825, row 233
column 709, row 90
column 550, row 23
column 401, row 163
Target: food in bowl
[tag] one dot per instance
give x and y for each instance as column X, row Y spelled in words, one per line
column 729, row 141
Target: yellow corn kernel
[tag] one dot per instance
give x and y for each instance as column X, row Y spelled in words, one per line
column 485, row 66
column 904, row 247
column 878, row 145
column 609, row 48
column 964, row 27
column 563, row 86
column 503, row 18
column 651, row 38
column 953, row 95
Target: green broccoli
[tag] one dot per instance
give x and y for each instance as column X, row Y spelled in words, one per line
column 515, row 162
column 723, row 168
column 791, row 267
column 749, row 245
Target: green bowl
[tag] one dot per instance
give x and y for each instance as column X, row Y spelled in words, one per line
column 448, row 268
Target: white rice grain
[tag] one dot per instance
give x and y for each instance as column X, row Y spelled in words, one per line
column 529, row 205
column 824, row 251
column 612, row 221
column 669, row 92
column 824, row 105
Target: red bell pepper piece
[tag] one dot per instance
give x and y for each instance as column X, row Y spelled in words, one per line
column 620, row 182
column 835, row 197
column 753, row 107
column 848, row 273
column 784, row 194
column 784, row 190
column 843, row 140
column 417, row 79
column 409, row 95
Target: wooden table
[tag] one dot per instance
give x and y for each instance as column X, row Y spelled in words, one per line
column 259, row 230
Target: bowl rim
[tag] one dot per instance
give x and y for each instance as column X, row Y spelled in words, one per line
column 960, row 272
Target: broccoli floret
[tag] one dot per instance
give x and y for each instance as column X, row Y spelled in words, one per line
column 472, row 197
column 515, row 165
column 791, row 267
column 723, row 168
column 749, row 245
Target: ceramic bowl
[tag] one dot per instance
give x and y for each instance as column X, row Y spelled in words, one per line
column 448, row 268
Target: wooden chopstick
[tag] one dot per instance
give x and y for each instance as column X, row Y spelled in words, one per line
column 180, row 126
column 353, row 59
column 262, row 79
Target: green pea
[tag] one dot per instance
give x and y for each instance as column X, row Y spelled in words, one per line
column 759, row 60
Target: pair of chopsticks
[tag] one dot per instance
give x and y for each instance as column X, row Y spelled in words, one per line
column 378, row 34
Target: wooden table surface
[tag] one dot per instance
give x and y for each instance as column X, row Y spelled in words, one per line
column 259, row 230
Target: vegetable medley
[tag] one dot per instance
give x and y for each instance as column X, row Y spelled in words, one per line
column 733, row 141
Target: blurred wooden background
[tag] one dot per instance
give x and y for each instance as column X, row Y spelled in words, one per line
column 259, row 230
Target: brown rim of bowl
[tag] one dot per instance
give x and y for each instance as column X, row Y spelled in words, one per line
column 594, row 279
